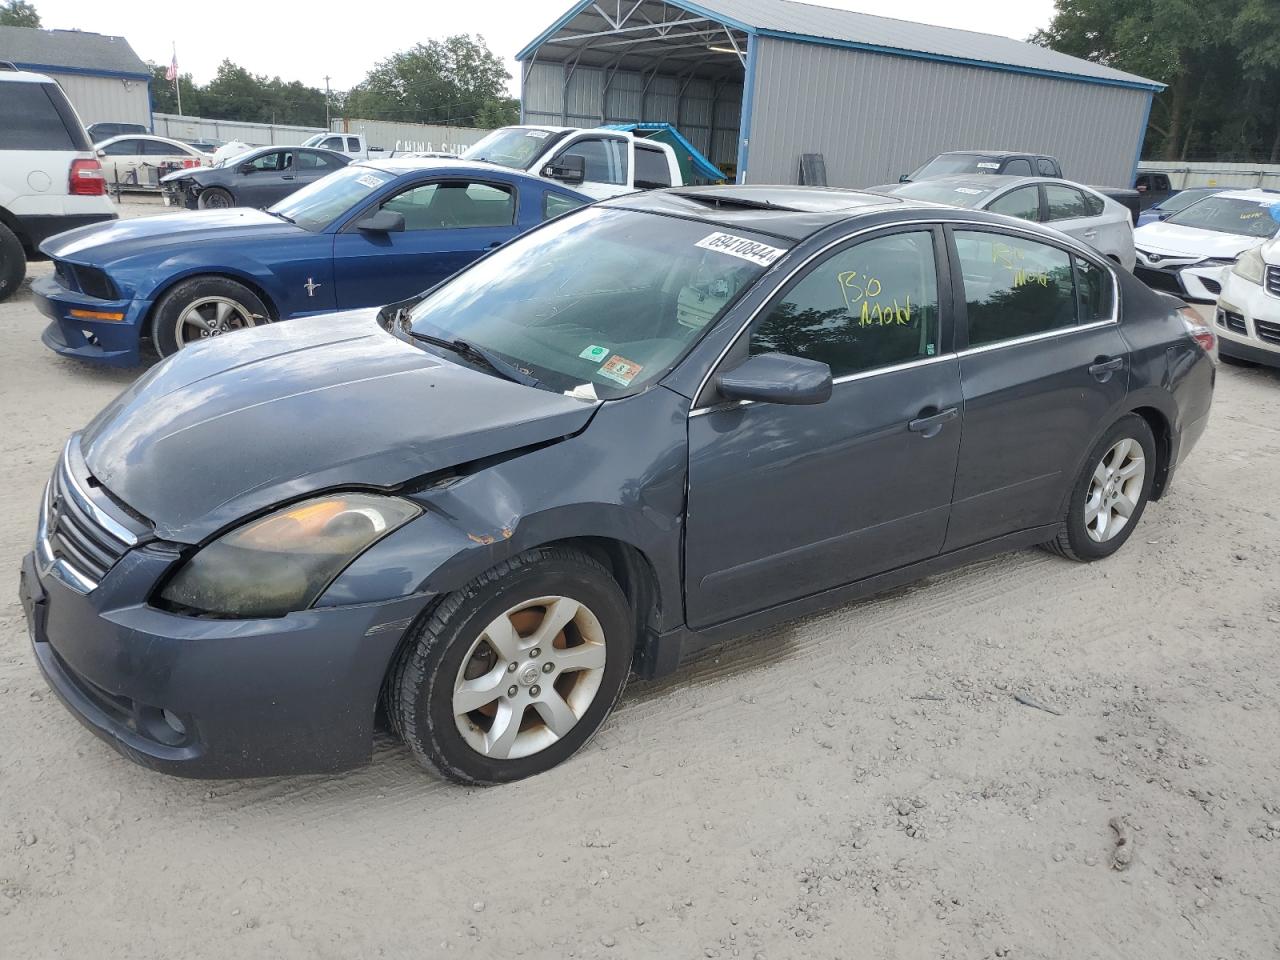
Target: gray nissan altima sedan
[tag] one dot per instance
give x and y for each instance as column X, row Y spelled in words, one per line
column 645, row 426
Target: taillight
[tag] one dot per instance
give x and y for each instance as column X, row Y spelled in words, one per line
column 1199, row 331
column 87, row 179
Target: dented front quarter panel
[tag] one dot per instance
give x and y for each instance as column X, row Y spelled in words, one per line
column 622, row 479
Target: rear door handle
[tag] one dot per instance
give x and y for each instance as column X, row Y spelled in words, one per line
column 1090, row 234
column 1103, row 369
column 931, row 426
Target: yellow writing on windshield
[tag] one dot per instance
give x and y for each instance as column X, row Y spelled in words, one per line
column 885, row 315
column 860, row 293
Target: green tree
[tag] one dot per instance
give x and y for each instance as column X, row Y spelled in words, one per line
column 1256, row 31
column 18, row 13
column 457, row 80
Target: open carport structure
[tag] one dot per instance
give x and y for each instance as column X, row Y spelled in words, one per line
column 756, row 84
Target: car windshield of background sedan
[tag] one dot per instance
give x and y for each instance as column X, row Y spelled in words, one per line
column 954, row 194
column 318, row 204
column 512, row 147
column 1237, row 215
column 606, row 298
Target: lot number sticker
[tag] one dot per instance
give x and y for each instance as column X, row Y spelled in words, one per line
column 741, row 247
column 370, row 181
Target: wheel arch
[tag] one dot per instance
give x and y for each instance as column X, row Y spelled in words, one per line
column 1162, row 430
column 223, row 273
column 10, row 221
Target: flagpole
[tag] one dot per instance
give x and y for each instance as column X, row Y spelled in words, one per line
column 177, row 81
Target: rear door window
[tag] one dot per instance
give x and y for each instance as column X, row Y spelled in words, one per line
column 652, row 169
column 1065, row 203
column 353, row 144
column 1014, row 287
column 1047, row 167
column 29, row 119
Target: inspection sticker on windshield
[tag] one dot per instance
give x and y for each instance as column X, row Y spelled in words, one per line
column 620, row 370
column 594, row 354
column 370, row 181
column 741, row 247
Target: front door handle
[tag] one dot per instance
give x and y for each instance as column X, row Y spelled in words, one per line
column 931, row 426
column 1091, row 234
column 287, row 176
column 1102, row 369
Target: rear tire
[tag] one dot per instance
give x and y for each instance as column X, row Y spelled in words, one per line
column 13, row 263
column 221, row 304
column 515, row 672
column 215, row 198
column 1110, row 493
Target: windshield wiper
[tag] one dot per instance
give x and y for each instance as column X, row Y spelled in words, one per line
column 479, row 355
column 282, row 216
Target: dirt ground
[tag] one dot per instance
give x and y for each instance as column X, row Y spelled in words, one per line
column 931, row 773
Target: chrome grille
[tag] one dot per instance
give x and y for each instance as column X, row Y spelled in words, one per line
column 77, row 540
column 1273, row 280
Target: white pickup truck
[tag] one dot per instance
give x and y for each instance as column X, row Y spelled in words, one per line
column 599, row 162
column 352, row 145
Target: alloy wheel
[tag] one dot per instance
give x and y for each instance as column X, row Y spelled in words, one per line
column 529, row 677
column 211, row 317
column 1115, row 490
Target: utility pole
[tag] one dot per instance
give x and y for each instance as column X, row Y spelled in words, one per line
column 327, row 124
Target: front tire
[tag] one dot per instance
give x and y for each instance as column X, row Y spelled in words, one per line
column 13, row 263
column 215, row 198
column 1110, row 494
column 204, row 307
column 515, row 672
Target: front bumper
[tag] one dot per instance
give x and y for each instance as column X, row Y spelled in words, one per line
column 116, row 343
column 1247, row 321
column 180, row 193
column 1202, row 284
column 212, row 698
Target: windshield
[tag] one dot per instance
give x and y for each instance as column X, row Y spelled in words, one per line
column 311, row 141
column 600, row 302
column 1237, row 215
column 514, row 147
column 1186, row 198
column 318, row 204
column 956, row 194
column 950, row 164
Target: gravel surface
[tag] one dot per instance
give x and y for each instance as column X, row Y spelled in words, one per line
column 1025, row 758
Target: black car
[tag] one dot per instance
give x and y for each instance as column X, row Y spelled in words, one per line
column 648, row 425
column 257, row 178
column 105, row 130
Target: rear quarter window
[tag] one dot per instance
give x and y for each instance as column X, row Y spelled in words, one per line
column 652, row 171
column 33, row 116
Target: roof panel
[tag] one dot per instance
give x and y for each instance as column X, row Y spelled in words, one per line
column 72, row 49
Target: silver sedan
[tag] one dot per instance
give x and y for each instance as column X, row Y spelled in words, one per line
column 1074, row 209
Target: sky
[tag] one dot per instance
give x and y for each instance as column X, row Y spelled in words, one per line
column 302, row 41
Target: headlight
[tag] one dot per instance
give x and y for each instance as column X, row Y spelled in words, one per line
column 1250, row 266
column 284, row 561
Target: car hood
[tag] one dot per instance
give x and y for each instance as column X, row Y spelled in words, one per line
column 105, row 242
column 1171, row 239
column 234, row 426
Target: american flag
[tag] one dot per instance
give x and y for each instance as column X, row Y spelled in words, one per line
column 172, row 73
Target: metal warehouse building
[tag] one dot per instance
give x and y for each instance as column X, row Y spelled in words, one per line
column 101, row 75
column 755, row 84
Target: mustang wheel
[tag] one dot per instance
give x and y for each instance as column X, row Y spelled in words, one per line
column 201, row 308
column 516, row 671
column 215, row 198
column 1110, row 493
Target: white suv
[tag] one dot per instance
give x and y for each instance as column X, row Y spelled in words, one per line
column 50, row 179
column 1248, row 312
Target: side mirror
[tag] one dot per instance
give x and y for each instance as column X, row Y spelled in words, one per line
column 1141, row 188
column 102, row 153
column 777, row 378
column 246, row 168
column 384, row 221
column 568, row 169
column 904, row 179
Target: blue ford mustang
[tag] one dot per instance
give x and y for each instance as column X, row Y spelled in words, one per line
column 367, row 235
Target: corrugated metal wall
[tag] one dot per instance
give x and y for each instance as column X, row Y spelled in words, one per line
column 106, row 98
column 254, row 134
column 875, row 116
column 411, row 137
column 707, row 114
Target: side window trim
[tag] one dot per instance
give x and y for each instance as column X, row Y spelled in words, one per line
column 960, row 304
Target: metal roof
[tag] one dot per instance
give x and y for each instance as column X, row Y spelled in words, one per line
column 810, row 23
column 71, row 51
